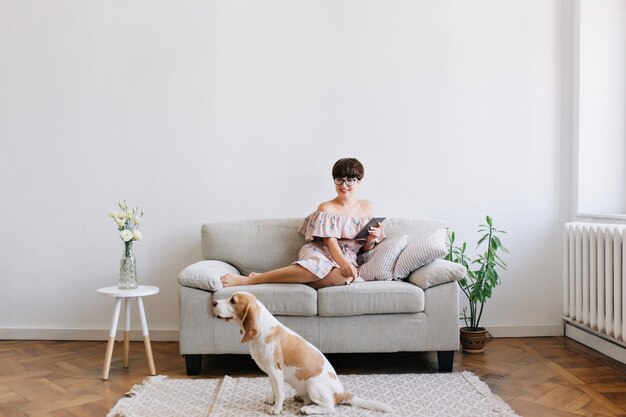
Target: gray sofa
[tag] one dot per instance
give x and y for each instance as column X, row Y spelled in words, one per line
column 374, row 316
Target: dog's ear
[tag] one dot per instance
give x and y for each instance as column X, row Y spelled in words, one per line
column 250, row 327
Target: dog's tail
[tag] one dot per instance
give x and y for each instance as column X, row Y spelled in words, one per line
column 368, row 404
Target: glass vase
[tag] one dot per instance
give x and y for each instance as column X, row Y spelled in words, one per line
column 128, row 270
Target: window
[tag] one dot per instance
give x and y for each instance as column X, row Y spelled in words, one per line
column 602, row 108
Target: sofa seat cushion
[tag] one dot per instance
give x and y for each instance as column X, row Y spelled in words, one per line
column 279, row 299
column 373, row 297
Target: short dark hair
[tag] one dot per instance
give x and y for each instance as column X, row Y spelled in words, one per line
column 348, row 168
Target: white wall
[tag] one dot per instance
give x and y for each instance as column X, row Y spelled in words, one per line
column 202, row 111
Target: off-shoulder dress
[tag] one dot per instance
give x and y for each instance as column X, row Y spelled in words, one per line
column 315, row 255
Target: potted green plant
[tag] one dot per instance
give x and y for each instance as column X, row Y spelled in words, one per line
column 482, row 277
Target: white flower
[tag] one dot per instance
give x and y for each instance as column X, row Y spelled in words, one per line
column 126, row 235
column 127, row 219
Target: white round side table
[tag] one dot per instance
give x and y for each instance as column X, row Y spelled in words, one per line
column 138, row 293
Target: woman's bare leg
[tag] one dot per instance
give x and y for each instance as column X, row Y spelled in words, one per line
column 334, row 277
column 289, row 274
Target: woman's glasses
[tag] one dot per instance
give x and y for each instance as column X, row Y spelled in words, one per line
column 347, row 181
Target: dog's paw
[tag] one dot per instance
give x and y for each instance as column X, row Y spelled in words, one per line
column 276, row 410
column 308, row 410
column 269, row 400
column 316, row 409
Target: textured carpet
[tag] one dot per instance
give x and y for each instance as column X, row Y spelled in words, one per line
column 410, row 395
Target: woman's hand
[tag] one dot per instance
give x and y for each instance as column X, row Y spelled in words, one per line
column 374, row 237
column 349, row 270
column 345, row 266
column 375, row 232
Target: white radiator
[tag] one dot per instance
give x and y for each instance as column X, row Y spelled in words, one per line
column 594, row 279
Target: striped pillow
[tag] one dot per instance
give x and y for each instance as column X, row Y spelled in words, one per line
column 379, row 262
column 421, row 251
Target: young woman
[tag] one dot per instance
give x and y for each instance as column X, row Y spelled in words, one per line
column 330, row 256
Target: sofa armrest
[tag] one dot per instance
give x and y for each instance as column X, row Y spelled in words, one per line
column 437, row 272
column 205, row 275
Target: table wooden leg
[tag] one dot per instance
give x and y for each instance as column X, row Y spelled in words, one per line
column 146, row 335
column 126, row 331
column 146, row 342
column 111, row 342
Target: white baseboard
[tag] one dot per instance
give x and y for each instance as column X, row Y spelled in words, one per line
column 84, row 334
column 603, row 346
column 526, row 330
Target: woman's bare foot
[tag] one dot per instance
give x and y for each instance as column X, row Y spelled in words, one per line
column 232, row 280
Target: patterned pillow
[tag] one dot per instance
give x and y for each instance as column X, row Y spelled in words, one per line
column 378, row 263
column 421, row 251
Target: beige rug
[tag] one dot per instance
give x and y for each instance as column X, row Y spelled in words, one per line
column 410, row 395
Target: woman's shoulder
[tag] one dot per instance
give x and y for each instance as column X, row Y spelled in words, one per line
column 367, row 207
column 363, row 208
column 326, row 207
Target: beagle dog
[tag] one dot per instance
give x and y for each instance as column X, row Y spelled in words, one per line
column 285, row 356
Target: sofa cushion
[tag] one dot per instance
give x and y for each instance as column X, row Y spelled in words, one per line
column 379, row 262
column 373, row 297
column 279, row 299
column 397, row 226
column 253, row 245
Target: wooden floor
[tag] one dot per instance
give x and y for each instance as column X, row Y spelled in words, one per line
column 552, row 376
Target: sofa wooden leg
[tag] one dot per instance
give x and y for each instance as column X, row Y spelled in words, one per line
column 193, row 364
column 446, row 359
